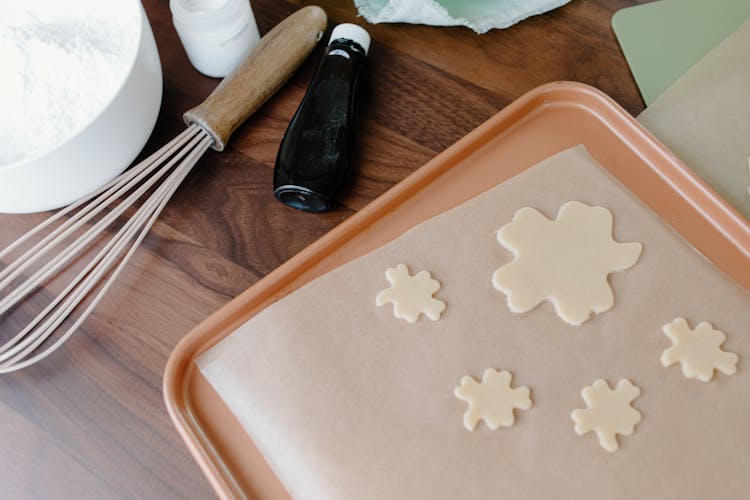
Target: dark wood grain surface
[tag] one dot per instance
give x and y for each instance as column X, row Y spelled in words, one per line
column 89, row 422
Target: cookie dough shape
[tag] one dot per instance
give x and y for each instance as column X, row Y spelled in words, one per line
column 608, row 412
column 492, row 400
column 698, row 351
column 411, row 295
column 565, row 261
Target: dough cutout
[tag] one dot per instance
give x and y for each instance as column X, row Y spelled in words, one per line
column 565, row 261
column 492, row 400
column 698, row 351
column 411, row 295
column 608, row 412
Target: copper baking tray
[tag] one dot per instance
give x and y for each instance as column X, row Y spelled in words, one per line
column 541, row 123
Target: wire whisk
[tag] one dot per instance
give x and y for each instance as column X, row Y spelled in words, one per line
column 179, row 156
column 70, row 233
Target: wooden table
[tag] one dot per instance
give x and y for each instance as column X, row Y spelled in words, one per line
column 89, row 422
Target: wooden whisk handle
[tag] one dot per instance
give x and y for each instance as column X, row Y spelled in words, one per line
column 265, row 69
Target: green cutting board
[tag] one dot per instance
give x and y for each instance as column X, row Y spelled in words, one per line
column 662, row 40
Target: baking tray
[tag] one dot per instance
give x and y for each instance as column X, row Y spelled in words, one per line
column 541, row 123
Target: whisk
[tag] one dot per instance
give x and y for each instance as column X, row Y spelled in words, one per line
column 210, row 125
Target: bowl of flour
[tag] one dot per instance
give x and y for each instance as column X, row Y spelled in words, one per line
column 80, row 93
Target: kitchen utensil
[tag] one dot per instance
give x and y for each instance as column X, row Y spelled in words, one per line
column 210, row 124
column 543, row 122
column 100, row 150
column 662, row 40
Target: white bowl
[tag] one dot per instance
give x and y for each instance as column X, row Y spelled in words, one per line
column 100, row 150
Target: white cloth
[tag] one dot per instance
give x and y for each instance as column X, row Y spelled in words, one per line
column 479, row 15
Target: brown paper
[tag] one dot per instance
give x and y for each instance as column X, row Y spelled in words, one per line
column 705, row 118
column 346, row 401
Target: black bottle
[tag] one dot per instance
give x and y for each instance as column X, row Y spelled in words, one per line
column 314, row 155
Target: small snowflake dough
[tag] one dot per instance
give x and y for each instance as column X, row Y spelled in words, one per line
column 492, row 400
column 608, row 412
column 411, row 295
column 565, row 261
column 698, row 351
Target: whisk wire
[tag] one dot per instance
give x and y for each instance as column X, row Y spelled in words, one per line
column 116, row 188
column 129, row 174
column 14, row 353
column 124, row 233
column 82, row 242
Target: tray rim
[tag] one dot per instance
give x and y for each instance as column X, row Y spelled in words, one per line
column 180, row 362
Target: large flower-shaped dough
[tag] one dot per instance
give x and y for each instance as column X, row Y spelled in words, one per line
column 698, row 351
column 608, row 412
column 565, row 261
column 493, row 400
column 411, row 295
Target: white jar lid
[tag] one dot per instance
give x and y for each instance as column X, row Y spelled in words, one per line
column 352, row 32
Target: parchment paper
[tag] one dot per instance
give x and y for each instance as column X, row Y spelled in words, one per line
column 705, row 118
column 346, row 401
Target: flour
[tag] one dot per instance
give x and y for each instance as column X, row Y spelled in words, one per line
column 61, row 64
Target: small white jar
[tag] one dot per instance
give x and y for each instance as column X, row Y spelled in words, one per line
column 216, row 34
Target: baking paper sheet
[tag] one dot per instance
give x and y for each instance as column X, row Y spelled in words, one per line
column 346, row 401
column 662, row 40
column 704, row 118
